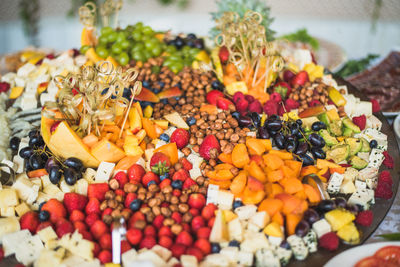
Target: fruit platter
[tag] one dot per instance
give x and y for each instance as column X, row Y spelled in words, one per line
column 149, row 147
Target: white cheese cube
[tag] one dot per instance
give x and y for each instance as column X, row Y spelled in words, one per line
column 368, row 173
column 8, row 197
column 66, row 188
column 275, row 240
column 89, row 175
column 260, row 219
column 29, row 250
column 371, row 183
column 12, row 240
column 81, row 187
column 18, row 164
column 164, row 253
column 360, row 184
column 28, row 102
column 266, row 257
column 299, row 249
column 374, row 123
column 8, row 225
column 347, row 187
column 245, row 258
column 363, row 155
column 350, row 174
column 216, row 260
column 310, row 239
column 189, row 261
column 254, row 241
column 104, row 171
column 151, row 256
column 212, row 194
column 334, row 183
column 246, row 212
column 235, row 230
column 225, row 199
column 47, row 234
column 321, row 227
column 26, row 69
column 376, row 158
column 284, row 255
column 363, row 197
column 231, row 253
column 21, row 209
column 362, row 108
column 129, row 257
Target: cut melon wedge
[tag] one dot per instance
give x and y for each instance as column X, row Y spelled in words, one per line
column 107, row 151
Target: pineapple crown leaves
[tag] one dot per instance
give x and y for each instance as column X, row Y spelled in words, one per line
column 160, row 168
column 241, row 7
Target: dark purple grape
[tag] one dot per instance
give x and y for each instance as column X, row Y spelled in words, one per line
column 74, row 163
column 36, row 162
column 28, row 167
column 353, row 208
column 262, row 133
column 311, row 216
column 302, row 228
column 302, row 148
column 245, row 121
column 284, row 244
column 318, row 153
column 294, row 128
column 326, row 205
column 14, row 143
column 50, row 163
column 54, row 174
column 274, row 118
column 273, row 125
column 291, row 143
column 26, row 152
column 199, row 43
column 70, row 176
column 36, row 141
column 299, row 122
column 340, row 202
column 33, row 133
column 306, row 159
column 255, row 118
column 316, row 140
column 279, row 140
column 318, row 125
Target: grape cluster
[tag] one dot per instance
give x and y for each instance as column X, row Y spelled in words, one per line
column 37, row 156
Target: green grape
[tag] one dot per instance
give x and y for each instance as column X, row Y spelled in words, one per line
column 116, row 48
column 170, row 49
column 187, row 62
column 175, row 57
column 139, row 25
column 121, row 37
column 146, row 54
column 123, row 59
column 106, row 30
column 103, row 40
column 125, row 44
column 193, row 52
column 84, row 48
column 129, row 28
column 176, row 67
column 156, row 51
column 147, row 30
column 112, row 37
column 137, row 35
column 138, row 56
column 102, row 51
column 139, row 46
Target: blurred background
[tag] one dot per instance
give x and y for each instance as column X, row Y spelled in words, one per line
column 359, row 27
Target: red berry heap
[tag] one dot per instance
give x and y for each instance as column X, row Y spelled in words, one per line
column 365, row 218
column 384, row 187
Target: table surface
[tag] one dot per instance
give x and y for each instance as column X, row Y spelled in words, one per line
column 391, row 223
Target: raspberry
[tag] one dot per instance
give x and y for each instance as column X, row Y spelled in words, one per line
column 4, row 87
column 276, row 97
column 241, row 105
column 386, row 178
column 383, row 190
column 360, row 121
column 329, row 241
column 281, row 110
column 238, row 96
column 388, row 161
column 255, row 106
column 375, row 105
column 365, row 218
column 270, row 107
column 291, row 104
column 314, row 103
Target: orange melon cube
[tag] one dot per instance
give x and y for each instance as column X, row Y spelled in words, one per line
column 291, row 185
column 271, row 206
column 278, row 218
column 282, row 154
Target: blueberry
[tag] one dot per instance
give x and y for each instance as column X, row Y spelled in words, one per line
column 146, row 84
column 177, row 184
column 164, row 176
column 236, row 115
column 151, row 182
column 191, row 121
column 177, row 98
column 164, row 101
column 156, row 91
column 215, row 248
column 135, row 204
column 14, row 143
column 179, row 85
column 234, row 243
column 373, row 144
column 41, row 205
column 44, row 215
column 179, row 42
column 164, row 137
column 216, row 84
column 191, row 36
column 237, row 204
column 199, row 43
column 162, row 84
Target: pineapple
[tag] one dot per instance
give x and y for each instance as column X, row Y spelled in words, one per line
column 337, row 218
column 349, row 233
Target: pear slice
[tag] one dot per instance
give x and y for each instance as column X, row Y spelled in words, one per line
column 176, row 120
column 219, row 232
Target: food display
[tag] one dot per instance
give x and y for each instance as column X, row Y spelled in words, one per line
column 241, row 154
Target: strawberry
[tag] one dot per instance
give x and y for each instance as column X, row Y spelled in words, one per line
column 360, row 121
column 197, row 223
column 74, row 201
column 180, row 137
column 255, row 106
column 283, row 89
column 188, row 183
column 96, row 249
column 211, row 222
column 158, row 221
column 194, row 251
column 63, row 228
column 242, row 105
column 125, row 246
column 98, row 229
column 197, row 201
column 134, row 236
column 270, row 107
column 93, row 206
column 136, row 217
column 160, row 163
column 76, row 215
column 281, row 110
column 209, row 211
column 105, row 256
column 80, row 226
column 177, row 217
column 122, row 178
column 388, row 161
column 105, row 212
column 194, row 212
column 43, row 225
column 184, row 238
column 213, row 96
column 178, row 250
column 148, row 242
column 165, row 241
column 300, row 79
column 165, row 230
column 56, row 209
column 209, row 143
column 91, row 218
column 223, row 54
column 120, row 192
column 238, row 96
column 164, row 183
column 86, row 235
column 150, row 176
column 203, row 232
column 176, row 192
column 375, row 106
column 186, row 164
column 129, row 198
column 181, row 175
column 97, row 190
column 136, row 172
column 30, row 221
column 224, row 104
column 288, row 75
column 329, row 241
column 365, row 218
column 150, row 230
column 275, row 97
column 314, row 103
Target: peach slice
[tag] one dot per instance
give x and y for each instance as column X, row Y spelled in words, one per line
column 254, row 170
column 290, row 202
column 255, row 146
column 107, row 151
column 88, row 36
column 238, row 183
column 147, row 95
column 171, row 92
column 312, row 111
column 292, row 220
column 223, row 184
column 254, row 184
column 149, row 127
column 272, row 161
column 282, row 154
column 225, row 158
column 252, row 197
column 292, row 185
column 271, row 206
column 312, row 194
column 240, row 157
column 278, row 218
column 272, row 189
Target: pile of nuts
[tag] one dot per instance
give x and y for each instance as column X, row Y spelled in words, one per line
column 310, row 92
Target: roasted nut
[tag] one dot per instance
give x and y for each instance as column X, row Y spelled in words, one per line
column 150, row 217
column 140, row 224
column 126, row 214
column 178, row 166
column 213, row 153
column 176, row 228
column 234, row 171
column 196, row 148
column 112, row 203
column 174, row 200
column 152, row 202
column 212, row 162
column 145, row 210
column 103, row 205
column 183, row 208
column 153, row 188
column 186, row 151
column 109, row 195
column 113, row 183
column 200, row 180
column 166, row 211
column 141, row 196
column 116, row 213
column 167, row 189
column 168, row 222
column 107, row 219
column 119, row 198
column 173, row 207
column 130, row 188
column 149, row 195
column 183, row 198
column 156, row 210
column 187, row 217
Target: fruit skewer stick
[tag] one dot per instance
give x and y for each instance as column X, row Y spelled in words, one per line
column 136, row 90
